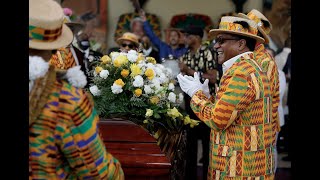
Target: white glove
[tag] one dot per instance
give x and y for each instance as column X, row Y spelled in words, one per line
column 191, row 85
column 188, row 85
column 205, row 88
column 205, row 85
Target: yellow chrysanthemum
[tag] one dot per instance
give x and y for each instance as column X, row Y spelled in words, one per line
column 149, row 73
column 98, row 69
column 105, row 59
column 124, row 73
column 135, row 70
column 151, row 60
column 119, row 82
column 138, row 92
column 154, row 99
column 120, row 60
column 145, row 121
column 174, row 113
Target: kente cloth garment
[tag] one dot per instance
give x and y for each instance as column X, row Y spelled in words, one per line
column 269, row 66
column 63, row 59
column 242, row 133
column 201, row 61
column 64, row 141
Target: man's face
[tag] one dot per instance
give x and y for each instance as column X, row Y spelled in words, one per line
column 173, row 38
column 190, row 39
column 126, row 46
column 137, row 29
column 226, row 46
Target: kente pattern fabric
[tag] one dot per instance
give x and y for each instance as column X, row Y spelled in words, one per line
column 63, row 59
column 124, row 20
column 201, row 61
column 269, row 66
column 242, row 134
column 63, row 140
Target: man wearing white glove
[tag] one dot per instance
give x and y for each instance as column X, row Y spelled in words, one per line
column 240, row 115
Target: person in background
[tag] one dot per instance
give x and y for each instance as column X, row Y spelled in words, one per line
column 128, row 41
column 136, row 27
column 148, row 50
column 282, row 88
column 242, row 136
column 64, row 139
column 198, row 58
column 172, row 50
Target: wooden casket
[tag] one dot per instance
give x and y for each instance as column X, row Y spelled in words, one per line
column 140, row 155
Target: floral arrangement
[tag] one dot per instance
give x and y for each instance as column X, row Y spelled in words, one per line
column 134, row 86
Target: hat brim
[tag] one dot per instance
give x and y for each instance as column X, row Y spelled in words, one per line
column 75, row 27
column 265, row 36
column 63, row 40
column 215, row 32
column 119, row 41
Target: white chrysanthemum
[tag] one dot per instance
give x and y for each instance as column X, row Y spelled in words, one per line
column 138, row 81
column 147, row 89
column 163, row 78
column 116, row 89
column 114, row 55
column 180, row 97
column 95, row 90
column 143, row 66
column 132, row 56
column 171, row 87
column 104, row 74
column 172, row 97
column 76, row 77
column 169, row 73
column 155, row 82
column 150, row 65
column 158, row 70
column 38, row 67
column 90, row 58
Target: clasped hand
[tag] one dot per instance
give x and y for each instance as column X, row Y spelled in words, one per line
column 191, row 85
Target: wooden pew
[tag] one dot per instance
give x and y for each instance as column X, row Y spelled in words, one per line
column 138, row 152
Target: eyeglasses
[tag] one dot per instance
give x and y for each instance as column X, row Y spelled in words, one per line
column 221, row 40
column 129, row 45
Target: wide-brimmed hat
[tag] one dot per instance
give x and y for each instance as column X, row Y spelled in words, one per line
column 46, row 28
column 264, row 25
column 129, row 37
column 74, row 26
column 232, row 25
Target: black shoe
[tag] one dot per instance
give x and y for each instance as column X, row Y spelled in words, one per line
column 286, row 158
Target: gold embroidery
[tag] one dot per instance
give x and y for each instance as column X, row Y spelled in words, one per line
column 233, row 162
column 254, row 139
